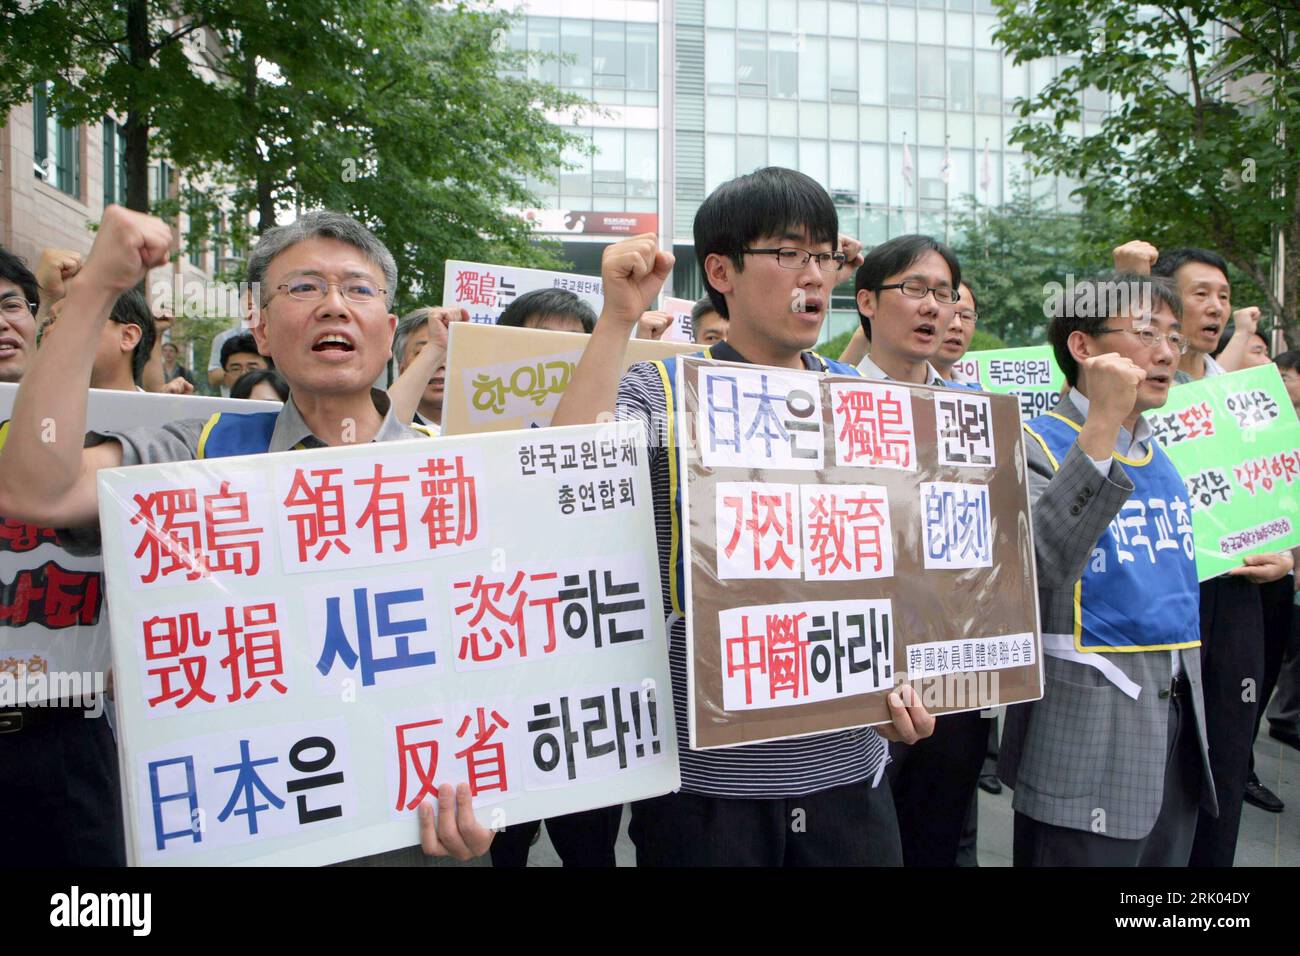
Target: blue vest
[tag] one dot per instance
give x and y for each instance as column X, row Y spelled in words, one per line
column 667, row 369
column 228, row 434
column 1139, row 591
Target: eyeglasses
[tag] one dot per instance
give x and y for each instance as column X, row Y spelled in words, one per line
column 14, row 307
column 788, row 257
column 314, row 288
column 916, row 289
column 969, row 316
column 1151, row 338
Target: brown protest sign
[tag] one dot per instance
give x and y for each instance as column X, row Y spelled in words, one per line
column 844, row 536
column 500, row 377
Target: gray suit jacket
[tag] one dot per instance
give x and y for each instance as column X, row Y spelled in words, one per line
column 1087, row 746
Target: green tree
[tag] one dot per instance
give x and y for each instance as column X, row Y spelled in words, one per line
column 1192, row 150
column 1010, row 253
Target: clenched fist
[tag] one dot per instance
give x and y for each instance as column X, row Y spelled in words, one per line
column 1113, row 382
column 56, row 267
column 1136, row 256
column 633, row 271
column 127, row 246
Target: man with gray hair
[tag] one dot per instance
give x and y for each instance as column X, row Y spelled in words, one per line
column 422, row 332
column 326, row 284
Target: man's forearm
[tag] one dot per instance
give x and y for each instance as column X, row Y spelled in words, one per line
column 41, row 459
column 1233, row 356
column 856, row 350
column 408, row 388
column 594, row 388
column 216, row 376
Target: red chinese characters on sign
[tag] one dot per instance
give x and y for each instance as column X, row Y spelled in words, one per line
column 846, row 532
column 1198, row 419
column 417, row 761
column 182, row 663
column 474, row 736
column 485, row 758
column 777, row 651
column 476, row 288
column 320, row 522
column 873, row 426
column 495, row 622
column 199, row 535
column 451, row 509
column 385, row 511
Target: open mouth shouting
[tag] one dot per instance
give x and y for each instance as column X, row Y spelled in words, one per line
column 334, row 344
column 924, row 334
column 10, row 346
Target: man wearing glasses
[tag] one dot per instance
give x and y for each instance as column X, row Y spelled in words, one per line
column 1109, row 768
column 19, row 300
column 326, row 286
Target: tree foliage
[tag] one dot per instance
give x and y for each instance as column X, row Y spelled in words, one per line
column 1192, row 151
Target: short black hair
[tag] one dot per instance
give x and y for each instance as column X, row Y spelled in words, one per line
column 14, row 269
column 243, row 342
column 1172, row 260
column 892, row 257
column 767, row 202
column 1094, row 303
column 1288, row 359
column 245, row 384
column 543, row 302
column 131, row 309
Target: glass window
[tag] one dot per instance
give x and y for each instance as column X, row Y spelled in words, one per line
column 812, row 69
column 871, row 72
column 782, row 15
column 844, row 173
column 752, row 14
column 844, row 121
column 751, row 154
column 57, row 151
column 962, row 174
column 902, row 126
column 902, row 74
column 114, row 163
column 812, row 159
column 720, row 61
column 871, row 23
column 931, row 130
column 642, row 56
column 929, row 187
column 1013, row 82
column 609, row 163
column 719, row 161
column 783, row 152
column 844, row 71
column 843, row 19
column 751, row 116
column 929, row 25
column 988, row 91
column 720, row 13
column 783, row 118
column 873, row 229
column 988, row 128
column 544, row 38
column 871, row 168
column 515, row 40
column 984, row 28
column 609, row 55
column 812, row 17
column 873, row 123
column 575, row 43
column 751, row 64
column 812, row 121
column 643, row 163
column 959, row 29
column 931, row 75
column 961, row 131
column 902, row 25
column 960, row 94
column 720, row 114
column 782, row 67
column 576, row 179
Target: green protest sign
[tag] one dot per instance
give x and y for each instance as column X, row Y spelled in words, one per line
column 1235, row 440
column 1030, row 374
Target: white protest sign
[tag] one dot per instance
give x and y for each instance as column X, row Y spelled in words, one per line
column 53, row 625
column 681, row 329
column 485, row 290
column 368, row 623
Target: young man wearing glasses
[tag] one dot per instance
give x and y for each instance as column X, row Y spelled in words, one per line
column 19, row 298
column 769, row 253
column 958, row 334
column 325, row 320
column 1110, row 766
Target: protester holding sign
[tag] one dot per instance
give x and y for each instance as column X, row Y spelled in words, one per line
column 1109, row 767
column 1232, row 621
column 767, row 247
column 324, row 320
